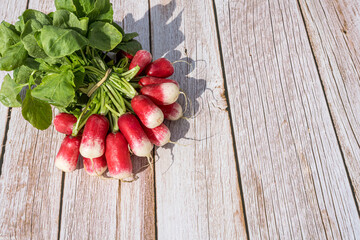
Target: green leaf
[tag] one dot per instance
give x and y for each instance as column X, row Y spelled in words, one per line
column 37, row 15
column 13, row 57
column 87, row 5
column 8, row 36
column 104, row 36
column 29, row 40
column 129, row 36
column 66, row 5
column 36, row 112
column 117, row 26
column 102, row 11
column 19, row 25
column 58, row 42
column 130, row 47
column 56, row 89
column 84, row 22
column 9, row 92
column 22, row 73
column 68, row 20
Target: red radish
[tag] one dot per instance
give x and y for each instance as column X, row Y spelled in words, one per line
column 162, row 93
column 93, row 138
column 172, row 112
column 128, row 55
column 160, row 68
column 150, row 114
column 97, row 164
column 135, row 135
column 67, row 157
column 141, row 58
column 159, row 135
column 154, row 80
column 118, row 156
column 64, row 123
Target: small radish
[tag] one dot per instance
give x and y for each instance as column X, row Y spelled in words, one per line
column 172, row 112
column 127, row 55
column 149, row 114
column 118, row 156
column 64, row 123
column 162, row 93
column 131, row 129
column 93, row 139
column 67, row 157
column 159, row 135
column 97, row 164
column 154, row 80
column 141, row 58
column 160, row 68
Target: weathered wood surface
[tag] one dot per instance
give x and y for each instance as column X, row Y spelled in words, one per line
column 30, row 186
column 253, row 61
column 334, row 31
column 292, row 172
column 197, row 191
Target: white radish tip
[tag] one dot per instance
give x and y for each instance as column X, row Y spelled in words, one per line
column 64, row 165
column 143, row 148
column 98, row 172
column 155, row 118
column 92, row 149
column 122, row 176
column 171, row 92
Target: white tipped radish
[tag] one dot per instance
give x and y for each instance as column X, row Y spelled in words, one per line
column 162, row 93
column 118, row 156
column 67, row 157
column 142, row 58
column 172, row 112
column 160, row 68
column 64, row 123
column 131, row 129
column 95, row 166
column 149, row 114
column 93, row 138
column 155, row 80
column 159, row 135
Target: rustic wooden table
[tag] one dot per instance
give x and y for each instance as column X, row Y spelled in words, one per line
column 271, row 150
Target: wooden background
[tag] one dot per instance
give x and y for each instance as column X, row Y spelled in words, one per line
column 270, row 150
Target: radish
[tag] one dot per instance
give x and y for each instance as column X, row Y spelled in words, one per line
column 159, row 135
column 154, row 80
column 172, row 112
column 150, row 114
column 67, row 157
column 93, row 139
column 141, row 58
column 127, row 55
column 95, row 166
column 131, row 129
column 118, row 156
column 162, row 93
column 160, row 68
column 64, row 123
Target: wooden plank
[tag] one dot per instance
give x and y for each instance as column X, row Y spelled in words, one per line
column 96, row 208
column 334, row 31
column 137, row 201
column 292, row 172
column 30, row 186
column 197, row 189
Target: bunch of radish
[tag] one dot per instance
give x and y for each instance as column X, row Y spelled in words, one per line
column 105, row 138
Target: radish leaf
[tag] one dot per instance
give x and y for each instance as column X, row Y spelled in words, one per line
column 9, row 92
column 13, row 57
column 58, row 42
column 36, row 112
column 104, row 36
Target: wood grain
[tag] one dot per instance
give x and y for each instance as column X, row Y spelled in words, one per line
column 334, row 31
column 197, row 190
column 292, row 172
column 9, row 12
column 30, row 186
column 137, row 201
